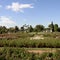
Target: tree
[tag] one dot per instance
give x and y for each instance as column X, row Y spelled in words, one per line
column 30, row 29
column 25, row 27
column 51, row 26
column 3, row 29
column 16, row 29
column 56, row 27
column 39, row 28
column 11, row 29
column 0, row 29
column 22, row 28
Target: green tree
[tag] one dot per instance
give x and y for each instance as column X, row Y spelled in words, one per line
column 56, row 27
column 16, row 28
column 22, row 29
column 39, row 28
column 3, row 29
column 0, row 29
column 30, row 29
column 51, row 26
column 11, row 29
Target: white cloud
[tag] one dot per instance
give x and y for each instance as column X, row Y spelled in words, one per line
column 18, row 7
column 4, row 21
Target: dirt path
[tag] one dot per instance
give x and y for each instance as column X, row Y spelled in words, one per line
column 40, row 51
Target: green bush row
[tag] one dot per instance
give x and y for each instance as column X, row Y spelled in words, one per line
column 22, row 54
column 49, row 43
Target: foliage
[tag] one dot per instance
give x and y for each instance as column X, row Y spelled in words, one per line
column 39, row 28
column 22, row 29
column 51, row 26
column 30, row 29
column 22, row 54
column 3, row 29
column 16, row 29
column 18, row 54
column 56, row 27
column 26, row 42
column 59, row 29
column 11, row 29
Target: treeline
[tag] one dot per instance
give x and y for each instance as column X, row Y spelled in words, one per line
column 28, row 28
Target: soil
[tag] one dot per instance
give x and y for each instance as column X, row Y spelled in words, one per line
column 40, row 51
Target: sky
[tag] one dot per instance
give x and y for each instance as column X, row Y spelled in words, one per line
column 32, row 12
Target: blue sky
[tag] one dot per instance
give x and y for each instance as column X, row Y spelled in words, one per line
column 32, row 12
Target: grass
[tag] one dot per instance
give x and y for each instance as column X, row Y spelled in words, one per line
column 17, row 49
column 44, row 49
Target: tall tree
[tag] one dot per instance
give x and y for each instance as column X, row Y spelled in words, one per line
column 56, row 27
column 51, row 26
column 30, row 29
column 16, row 28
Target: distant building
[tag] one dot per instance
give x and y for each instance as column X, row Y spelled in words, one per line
column 48, row 30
